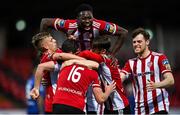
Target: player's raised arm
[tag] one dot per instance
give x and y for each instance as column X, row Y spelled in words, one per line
column 121, row 34
column 46, row 24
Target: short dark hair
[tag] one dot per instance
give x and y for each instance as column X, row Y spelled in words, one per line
column 83, row 7
column 36, row 39
column 69, row 45
column 102, row 42
column 141, row 31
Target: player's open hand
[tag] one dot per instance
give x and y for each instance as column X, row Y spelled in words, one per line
column 111, row 87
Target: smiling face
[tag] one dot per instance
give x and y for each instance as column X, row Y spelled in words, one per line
column 140, row 44
column 85, row 19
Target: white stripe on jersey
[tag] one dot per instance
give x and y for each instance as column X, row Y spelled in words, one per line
column 92, row 104
column 95, row 32
column 54, row 75
column 148, row 76
column 131, row 62
column 138, row 70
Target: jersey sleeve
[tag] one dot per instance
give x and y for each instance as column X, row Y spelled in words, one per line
column 164, row 64
column 108, row 27
column 126, row 69
column 47, row 56
column 91, row 56
column 94, row 77
column 59, row 61
column 61, row 24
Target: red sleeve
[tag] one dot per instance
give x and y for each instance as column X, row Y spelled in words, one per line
column 46, row 56
column 91, row 56
column 126, row 69
column 59, row 51
column 107, row 26
column 61, row 24
column 164, row 64
column 94, row 77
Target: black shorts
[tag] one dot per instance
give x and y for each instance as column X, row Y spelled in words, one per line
column 65, row 109
column 161, row 112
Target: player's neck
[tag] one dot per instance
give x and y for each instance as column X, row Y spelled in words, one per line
column 144, row 54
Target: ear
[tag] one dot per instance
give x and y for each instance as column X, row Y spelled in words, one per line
column 147, row 42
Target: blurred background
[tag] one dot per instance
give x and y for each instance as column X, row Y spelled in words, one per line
column 20, row 20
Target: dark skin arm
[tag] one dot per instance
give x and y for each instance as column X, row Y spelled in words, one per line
column 46, row 24
column 121, row 34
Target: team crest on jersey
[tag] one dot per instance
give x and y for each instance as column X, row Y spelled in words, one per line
column 166, row 64
column 149, row 64
column 110, row 28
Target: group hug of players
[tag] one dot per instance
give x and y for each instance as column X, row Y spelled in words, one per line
column 83, row 76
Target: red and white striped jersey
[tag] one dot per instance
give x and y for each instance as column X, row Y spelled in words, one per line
column 51, row 78
column 72, row 85
column 118, row 99
column 84, row 37
column 141, row 70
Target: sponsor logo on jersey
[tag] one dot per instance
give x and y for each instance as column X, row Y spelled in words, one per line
column 61, row 23
column 73, row 25
column 143, row 74
column 96, row 24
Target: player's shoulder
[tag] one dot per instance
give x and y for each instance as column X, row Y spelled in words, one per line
column 157, row 54
column 133, row 59
column 45, row 57
column 97, row 23
column 71, row 23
